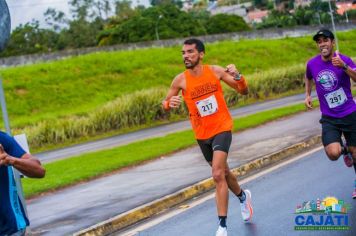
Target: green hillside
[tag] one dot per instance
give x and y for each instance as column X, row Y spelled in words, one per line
column 80, row 85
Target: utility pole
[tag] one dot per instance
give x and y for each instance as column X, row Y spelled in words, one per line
column 333, row 24
column 156, row 27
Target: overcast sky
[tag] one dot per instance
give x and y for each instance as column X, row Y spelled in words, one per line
column 23, row 11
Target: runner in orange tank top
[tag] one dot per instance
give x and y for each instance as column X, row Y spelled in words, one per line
column 211, row 121
column 203, row 95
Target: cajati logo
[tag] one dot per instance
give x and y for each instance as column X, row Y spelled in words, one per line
column 327, row 214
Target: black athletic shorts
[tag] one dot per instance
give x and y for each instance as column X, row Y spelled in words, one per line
column 220, row 142
column 333, row 128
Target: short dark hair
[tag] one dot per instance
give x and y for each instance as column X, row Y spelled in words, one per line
column 198, row 44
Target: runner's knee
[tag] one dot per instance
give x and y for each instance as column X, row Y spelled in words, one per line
column 218, row 174
column 333, row 154
column 333, row 151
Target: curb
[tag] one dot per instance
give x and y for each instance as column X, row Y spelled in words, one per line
column 147, row 210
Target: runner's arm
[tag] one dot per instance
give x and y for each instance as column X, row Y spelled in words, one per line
column 27, row 164
column 173, row 100
column 228, row 76
column 351, row 72
column 347, row 65
column 308, row 89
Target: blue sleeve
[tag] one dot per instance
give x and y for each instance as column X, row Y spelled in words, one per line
column 10, row 145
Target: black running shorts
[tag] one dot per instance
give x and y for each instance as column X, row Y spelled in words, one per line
column 220, row 142
column 333, row 128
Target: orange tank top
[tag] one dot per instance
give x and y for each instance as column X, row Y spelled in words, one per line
column 204, row 98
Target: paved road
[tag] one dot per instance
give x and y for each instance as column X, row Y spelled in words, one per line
column 86, row 204
column 158, row 131
column 275, row 197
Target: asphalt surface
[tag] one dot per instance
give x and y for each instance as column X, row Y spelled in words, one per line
column 275, row 197
column 84, row 205
column 158, row 131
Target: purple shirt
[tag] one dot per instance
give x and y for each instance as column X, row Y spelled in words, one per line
column 333, row 86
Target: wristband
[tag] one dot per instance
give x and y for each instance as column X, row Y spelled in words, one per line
column 242, row 83
column 345, row 66
column 166, row 105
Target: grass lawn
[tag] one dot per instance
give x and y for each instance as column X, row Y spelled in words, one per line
column 79, row 85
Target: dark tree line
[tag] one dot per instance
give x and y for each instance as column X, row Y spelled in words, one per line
column 317, row 13
column 106, row 22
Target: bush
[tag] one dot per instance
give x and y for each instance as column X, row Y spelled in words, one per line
column 222, row 23
column 268, row 83
column 351, row 14
column 141, row 107
column 144, row 107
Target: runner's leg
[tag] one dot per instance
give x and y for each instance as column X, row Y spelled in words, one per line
column 218, row 173
column 207, row 150
column 331, row 138
column 232, row 181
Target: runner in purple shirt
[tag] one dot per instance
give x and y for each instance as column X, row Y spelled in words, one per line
column 331, row 72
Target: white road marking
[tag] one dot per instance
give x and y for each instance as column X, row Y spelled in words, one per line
column 201, row 200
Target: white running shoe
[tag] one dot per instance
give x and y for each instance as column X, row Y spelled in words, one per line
column 222, row 231
column 246, row 207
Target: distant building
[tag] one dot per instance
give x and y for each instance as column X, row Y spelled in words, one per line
column 238, row 9
column 345, row 6
column 341, row 6
column 187, row 5
column 256, row 16
column 301, row 3
column 232, row 10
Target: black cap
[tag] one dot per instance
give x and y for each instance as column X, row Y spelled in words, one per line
column 323, row 32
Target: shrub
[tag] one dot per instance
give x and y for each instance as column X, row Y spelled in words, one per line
column 144, row 107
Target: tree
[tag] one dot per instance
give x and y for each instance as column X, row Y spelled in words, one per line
column 29, row 38
column 351, row 14
column 81, row 34
column 305, row 16
column 102, row 7
column 260, row 3
column 88, row 21
column 123, row 9
column 222, row 23
column 82, row 9
column 142, row 26
column 178, row 3
column 323, row 11
column 316, row 13
column 55, row 19
column 277, row 19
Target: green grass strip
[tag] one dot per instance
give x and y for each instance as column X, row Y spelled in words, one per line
column 74, row 170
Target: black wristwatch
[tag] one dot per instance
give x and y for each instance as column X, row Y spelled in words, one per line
column 345, row 66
